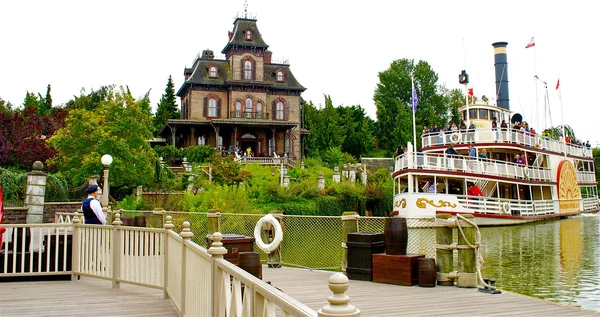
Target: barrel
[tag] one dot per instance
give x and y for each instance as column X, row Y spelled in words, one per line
column 127, row 221
column 250, row 262
column 427, row 272
column 139, row 221
column 395, row 235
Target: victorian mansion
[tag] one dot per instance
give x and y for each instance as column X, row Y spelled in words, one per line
column 240, row 102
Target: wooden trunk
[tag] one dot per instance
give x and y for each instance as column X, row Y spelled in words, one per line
column 234, row 243
column 396, row 269
column 361, row 247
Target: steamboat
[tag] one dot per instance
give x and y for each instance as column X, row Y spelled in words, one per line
column 500, row 174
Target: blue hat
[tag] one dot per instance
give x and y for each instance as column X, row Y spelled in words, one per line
column 92, row 189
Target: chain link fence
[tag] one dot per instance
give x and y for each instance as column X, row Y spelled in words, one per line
column 313, row 242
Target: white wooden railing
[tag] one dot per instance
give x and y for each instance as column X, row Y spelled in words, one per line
column 199, row 282
column 591, row 204
column 467, row 164
column 586, row 177
column 508, row 136
column 486, row 205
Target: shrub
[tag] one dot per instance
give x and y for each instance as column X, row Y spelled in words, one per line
column 199, row 153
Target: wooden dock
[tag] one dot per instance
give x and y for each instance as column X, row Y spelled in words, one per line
column 95, row 297
column 376, row 299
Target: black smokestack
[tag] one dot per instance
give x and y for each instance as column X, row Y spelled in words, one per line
column 501, row 66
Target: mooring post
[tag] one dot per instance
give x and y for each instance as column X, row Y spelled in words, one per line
column 349, row 224
column 443, row 252
column 274, row 258
column 214, row 222
column 467, row 266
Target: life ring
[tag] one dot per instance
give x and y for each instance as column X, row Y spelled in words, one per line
column 268, row 248
column 505, row 208
column 455, row 137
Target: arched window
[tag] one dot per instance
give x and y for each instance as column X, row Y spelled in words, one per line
column 248, row 108
column 280, row 110
column 247, row 70
column 259, row 110
column 213, row 72
column 279, row 75
column 238, row 109
column 212, row 107
column 248, row 35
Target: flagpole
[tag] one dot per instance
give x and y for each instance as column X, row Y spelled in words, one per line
column 537, row 106
column 412, row 79
column 562, row 117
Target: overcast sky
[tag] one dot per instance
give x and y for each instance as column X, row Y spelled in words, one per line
column 335, row 48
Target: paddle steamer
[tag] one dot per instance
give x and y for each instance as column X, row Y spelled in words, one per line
column 552, row 179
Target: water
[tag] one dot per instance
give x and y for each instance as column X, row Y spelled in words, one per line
column 557, row 261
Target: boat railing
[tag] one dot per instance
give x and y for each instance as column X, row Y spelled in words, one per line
column 591, row 203
column 444, row 162
column 503, row 136
column 509, row 207
column 586, row 177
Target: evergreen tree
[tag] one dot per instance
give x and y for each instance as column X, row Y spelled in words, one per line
column 167, row 107
column 44, row 103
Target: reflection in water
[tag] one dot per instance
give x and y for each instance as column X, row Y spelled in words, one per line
column 557, row 261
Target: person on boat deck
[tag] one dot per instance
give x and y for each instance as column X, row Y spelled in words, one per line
column 462, row 126
column 483, row 154
column 399, row 150
column 495, row 129
column 472, row 152
column 472, row 132
column 454, row 128
column 474, row 190
column 519, row 159
column 425, row 131
column 92, row 211
column 588, row 145
column 504, row 128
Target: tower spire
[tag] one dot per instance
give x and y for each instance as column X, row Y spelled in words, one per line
column 245, row 9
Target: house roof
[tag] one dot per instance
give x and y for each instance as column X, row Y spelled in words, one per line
column 238, row 38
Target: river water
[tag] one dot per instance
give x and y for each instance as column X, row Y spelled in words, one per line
column 557, row 261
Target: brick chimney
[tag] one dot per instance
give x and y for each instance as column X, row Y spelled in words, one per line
column 267, row 57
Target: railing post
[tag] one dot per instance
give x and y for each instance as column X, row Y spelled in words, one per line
column 168, row 226
column 186, row 234
column 338, row 302
column 217, row 251
column 349, row 224
column 117, row 249
column 76, row 244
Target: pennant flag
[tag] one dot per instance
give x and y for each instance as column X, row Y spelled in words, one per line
column 470, row 91
column 415, row 99
column 558, row 84
column 531, row 43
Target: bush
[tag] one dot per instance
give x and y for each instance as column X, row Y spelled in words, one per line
column 169, row 153
column 199, row 153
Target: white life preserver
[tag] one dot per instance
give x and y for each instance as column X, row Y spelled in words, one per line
column 455, row 137
column 505, row 208
column 268, row 248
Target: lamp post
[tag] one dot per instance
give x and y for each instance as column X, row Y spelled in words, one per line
column 106, row 161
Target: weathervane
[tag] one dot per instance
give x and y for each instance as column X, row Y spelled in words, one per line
column 245, row 9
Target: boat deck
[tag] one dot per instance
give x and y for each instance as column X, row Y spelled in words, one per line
column 95, row 297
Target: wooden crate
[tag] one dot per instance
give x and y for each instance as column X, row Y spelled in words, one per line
column 396, row 269
column 234, row 243
column 361, row 247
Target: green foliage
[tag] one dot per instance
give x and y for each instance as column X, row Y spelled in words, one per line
column 199, row 153
column 120, row 126
column 56, row 188
column 333, row 156
column 130, row 202
column 230, row 199
column 379, row 193
column 166, row 108
column 92, row 100
column 225, row 170
column 596, row 154
column 13, row 183
column 169, row 153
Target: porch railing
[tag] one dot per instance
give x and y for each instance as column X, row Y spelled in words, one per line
column 249, row 115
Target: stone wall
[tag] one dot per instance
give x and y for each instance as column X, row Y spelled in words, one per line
column 50, row 209
column 15, row 215
column 374, row 164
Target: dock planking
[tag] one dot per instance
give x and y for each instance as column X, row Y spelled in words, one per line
column 377, row 299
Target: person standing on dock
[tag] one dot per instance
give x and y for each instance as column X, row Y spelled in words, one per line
column 92, row 211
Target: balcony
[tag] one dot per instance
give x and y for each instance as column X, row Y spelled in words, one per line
column 504, row 137
column 465, row 164
column 249, row 115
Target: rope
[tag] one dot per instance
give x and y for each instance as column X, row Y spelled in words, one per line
column 479, row 258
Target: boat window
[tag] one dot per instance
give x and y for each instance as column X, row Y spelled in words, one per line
column 494, row 114
column 464, row 115
column 472, row 114
column 483, row 113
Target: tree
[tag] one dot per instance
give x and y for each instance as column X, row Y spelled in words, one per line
column 92, row 100
column 119, row 126
column 167, row 107
column 596, row 154
column 393, row 102
column 358, row 129
column 44, row 103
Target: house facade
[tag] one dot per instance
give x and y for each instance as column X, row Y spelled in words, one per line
column 244, row 101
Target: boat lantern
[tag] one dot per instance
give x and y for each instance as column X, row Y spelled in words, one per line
column 463, row 77
column 501, row 66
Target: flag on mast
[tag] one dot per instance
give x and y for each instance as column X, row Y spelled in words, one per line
column 531, row 43
column 470, row 91
column 558, row 84
column 558, row 90
column 415, row 99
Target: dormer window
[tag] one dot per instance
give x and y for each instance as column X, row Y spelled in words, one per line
column 279, row 76
column 212, row 72
column 248, row 35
